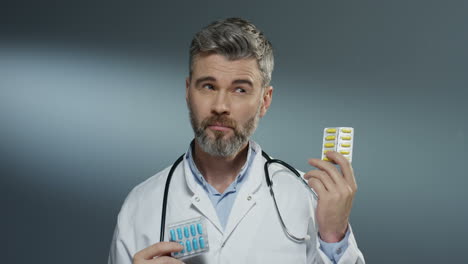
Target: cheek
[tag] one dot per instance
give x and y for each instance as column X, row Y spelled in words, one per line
column 199, row 108
column 247, row 111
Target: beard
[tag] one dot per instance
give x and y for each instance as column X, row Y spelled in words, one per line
column 219, row 146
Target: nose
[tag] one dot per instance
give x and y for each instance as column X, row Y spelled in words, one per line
column 221, row 104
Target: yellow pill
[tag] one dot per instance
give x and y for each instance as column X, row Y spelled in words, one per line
column 326, row 159
column 325, row 151
column 346, row 145
column 331, row 130
column 345, row 152
column 346, row 130
column 330, row 138
column 346, row 138
column 329, row 145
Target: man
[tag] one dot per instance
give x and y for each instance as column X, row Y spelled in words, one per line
column 221, row 176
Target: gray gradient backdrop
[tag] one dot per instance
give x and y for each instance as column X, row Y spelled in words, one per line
column 92, row 103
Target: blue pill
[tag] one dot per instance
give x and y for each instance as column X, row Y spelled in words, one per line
column 188, row 246
column 179, row 233
column 173, row 238
column 192, row 230
column 183, row 250
column 186, row 233
column 202, row 242
column 200, row 229
column 195, row 244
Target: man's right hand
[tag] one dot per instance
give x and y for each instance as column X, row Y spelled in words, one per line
column 158, row 253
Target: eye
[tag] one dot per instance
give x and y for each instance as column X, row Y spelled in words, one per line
column 240, row 90
column 208, row 86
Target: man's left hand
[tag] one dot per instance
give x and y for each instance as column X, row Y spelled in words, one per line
column 336, row 191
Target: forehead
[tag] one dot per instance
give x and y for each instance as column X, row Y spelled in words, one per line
column 220, row 67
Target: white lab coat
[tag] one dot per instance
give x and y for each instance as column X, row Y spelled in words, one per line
column 253, row 233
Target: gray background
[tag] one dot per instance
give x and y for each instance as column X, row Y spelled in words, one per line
column 92, row 103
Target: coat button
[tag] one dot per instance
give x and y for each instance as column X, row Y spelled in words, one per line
column 197, row 199
column 249, row 198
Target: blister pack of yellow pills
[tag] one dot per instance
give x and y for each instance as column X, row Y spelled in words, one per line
column 339, row 139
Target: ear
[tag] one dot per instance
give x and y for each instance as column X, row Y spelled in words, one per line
column 187, row 87
column 266, row 100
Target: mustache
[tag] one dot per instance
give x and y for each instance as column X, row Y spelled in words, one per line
column 219, row 120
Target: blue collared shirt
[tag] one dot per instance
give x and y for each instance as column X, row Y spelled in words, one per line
column 223, row 202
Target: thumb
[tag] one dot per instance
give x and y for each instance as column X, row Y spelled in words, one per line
column 158, row 249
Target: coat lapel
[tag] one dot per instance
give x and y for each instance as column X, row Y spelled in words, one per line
column 247, row 198
column 200, row 200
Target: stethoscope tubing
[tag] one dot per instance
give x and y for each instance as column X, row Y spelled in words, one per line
column 269, row 184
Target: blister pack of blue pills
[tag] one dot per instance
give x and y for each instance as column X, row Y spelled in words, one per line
column 192, row 235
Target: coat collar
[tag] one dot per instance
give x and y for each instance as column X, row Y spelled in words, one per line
column 245, row 200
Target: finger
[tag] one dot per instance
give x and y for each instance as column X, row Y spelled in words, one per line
column 324, row 178
column 309, row 174
column 166, row 260
column 317, row 186
column 345, row 166
column 330, row 169
column 158, row 249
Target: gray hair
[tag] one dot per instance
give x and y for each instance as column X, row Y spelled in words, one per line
column 234, row 38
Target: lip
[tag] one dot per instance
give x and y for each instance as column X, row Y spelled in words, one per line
column 219, row 127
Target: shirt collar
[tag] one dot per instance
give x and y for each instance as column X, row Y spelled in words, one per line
column 252, row 151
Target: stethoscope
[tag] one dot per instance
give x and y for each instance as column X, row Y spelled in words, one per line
column 270, row 186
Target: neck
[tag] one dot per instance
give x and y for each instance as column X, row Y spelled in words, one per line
column 219, row 172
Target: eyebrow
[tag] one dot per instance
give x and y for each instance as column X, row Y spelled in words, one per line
column 242, row 81
column 203, row 79
column 209, row 78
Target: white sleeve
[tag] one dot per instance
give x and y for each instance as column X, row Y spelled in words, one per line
column 119, row 252
column 123, row 245
column 352, row 254
column 315, row 255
